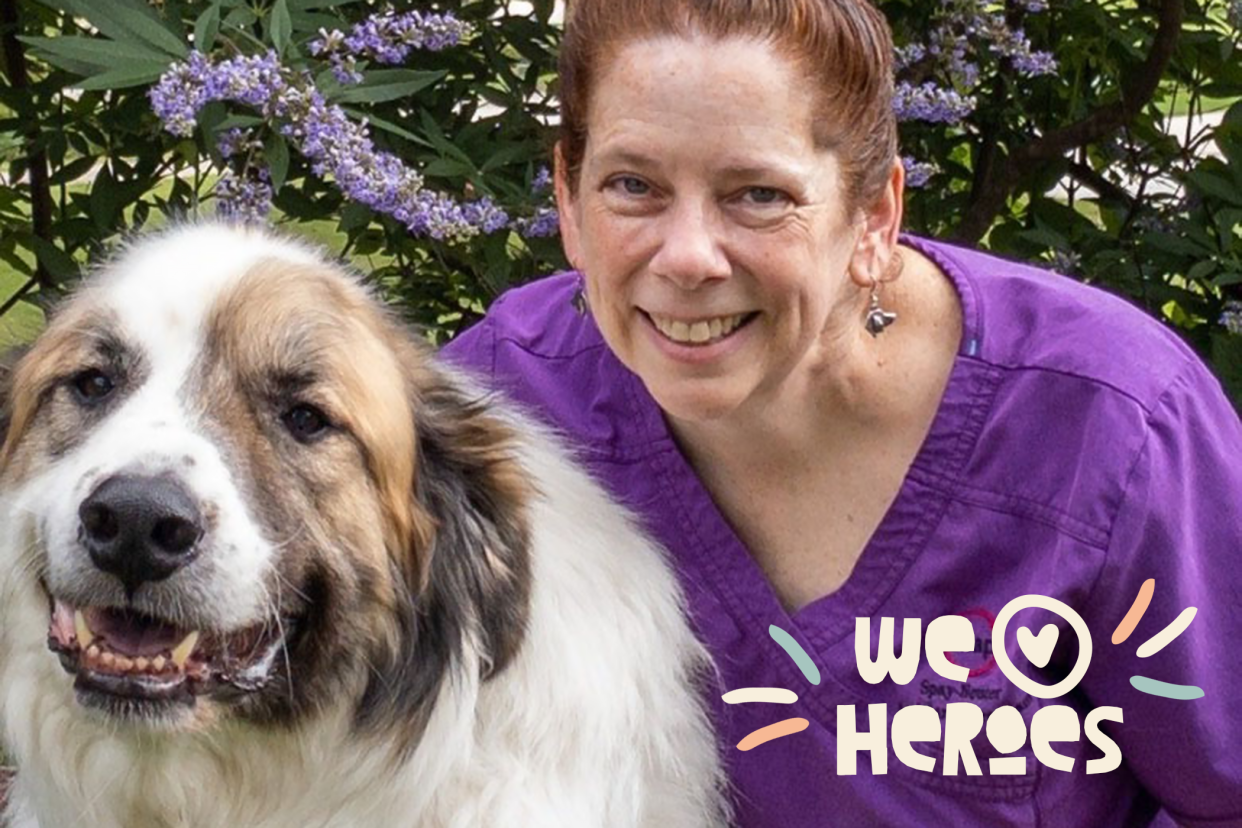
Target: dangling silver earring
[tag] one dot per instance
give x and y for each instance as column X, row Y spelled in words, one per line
column 877, row 318
column 580, row 298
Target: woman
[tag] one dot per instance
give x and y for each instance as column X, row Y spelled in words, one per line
column 823, row 421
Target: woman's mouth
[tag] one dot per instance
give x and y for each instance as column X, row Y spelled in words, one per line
column 702, row 331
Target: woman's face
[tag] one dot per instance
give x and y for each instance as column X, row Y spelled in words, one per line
column 713, row 234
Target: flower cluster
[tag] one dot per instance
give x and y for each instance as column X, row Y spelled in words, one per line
column 545, row 222
column 387, row 38
column 245, row 199
column 1231, row 317
column 335, row 145
column 918, row 173
column 1065, row 262
column 931, row 103
column 1234, row 14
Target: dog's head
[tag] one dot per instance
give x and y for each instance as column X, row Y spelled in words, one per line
column 246, row 492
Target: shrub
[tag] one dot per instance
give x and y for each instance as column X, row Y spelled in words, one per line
column 1036, row 129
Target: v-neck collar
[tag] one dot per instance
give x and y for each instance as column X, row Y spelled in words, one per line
column 717, row 555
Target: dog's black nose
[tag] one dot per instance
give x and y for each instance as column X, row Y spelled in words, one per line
column 140, row 529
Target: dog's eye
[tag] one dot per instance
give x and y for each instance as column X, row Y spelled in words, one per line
column 92, row 386
column 305, row 422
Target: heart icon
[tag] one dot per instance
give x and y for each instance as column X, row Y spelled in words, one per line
column 1038, row 648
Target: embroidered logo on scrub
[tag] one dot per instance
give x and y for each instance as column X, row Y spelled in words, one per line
column 963, row 721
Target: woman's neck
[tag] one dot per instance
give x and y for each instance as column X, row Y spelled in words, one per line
column 851, row 390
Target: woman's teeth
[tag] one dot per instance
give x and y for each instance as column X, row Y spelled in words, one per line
column 699, row 332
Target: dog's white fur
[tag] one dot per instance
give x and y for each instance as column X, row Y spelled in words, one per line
column 596, row 722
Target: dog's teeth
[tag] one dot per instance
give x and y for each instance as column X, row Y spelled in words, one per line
column 124, row 664
column 141, row 664
column 158, row 663
column 85, row 636
column 182, row 654
column 92, row 653
column 107, row 659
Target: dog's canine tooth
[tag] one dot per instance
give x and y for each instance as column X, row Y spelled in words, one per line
column 182, row 654
column 85, row 636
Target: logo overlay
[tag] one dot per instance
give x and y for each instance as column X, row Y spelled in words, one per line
column 963, row 721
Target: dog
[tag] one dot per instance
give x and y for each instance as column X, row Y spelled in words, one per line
column 265, row 561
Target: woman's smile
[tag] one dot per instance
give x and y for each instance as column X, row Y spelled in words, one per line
column 698, row 340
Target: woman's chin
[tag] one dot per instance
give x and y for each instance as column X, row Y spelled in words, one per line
column 697, row 401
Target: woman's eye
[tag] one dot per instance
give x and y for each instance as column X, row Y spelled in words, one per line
column 631, row 185
column 92, row 386
column 765, row 196
column 305, row 422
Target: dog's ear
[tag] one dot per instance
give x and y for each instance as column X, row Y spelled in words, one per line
column 8, row 367
column 467, row 570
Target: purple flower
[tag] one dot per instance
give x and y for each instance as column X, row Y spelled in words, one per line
column 236, row 141
column 931, row 103
column 545, row 222
column 1065, row 262
column 1231, row 317
column 390, row 37
column 1234, row 14
column 917, row 172
column 1036, row 6
column 244, row 199
column 336, row 147
column 541, row 181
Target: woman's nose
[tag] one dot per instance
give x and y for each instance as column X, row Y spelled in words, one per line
column 690, row 251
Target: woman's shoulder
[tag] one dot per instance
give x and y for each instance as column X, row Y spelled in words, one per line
column 540, row 318
column 1028, row 320
column 541, row 352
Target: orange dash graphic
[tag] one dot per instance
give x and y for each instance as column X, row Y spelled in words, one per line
column 1135, row 615
column 773, row 731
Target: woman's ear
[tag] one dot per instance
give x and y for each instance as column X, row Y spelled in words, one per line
column 879, row 225
column 566, row 207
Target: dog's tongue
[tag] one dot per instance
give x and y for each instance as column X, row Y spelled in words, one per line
column 133, row 634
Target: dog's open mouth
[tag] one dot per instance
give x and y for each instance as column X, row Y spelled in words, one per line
column 138, row 658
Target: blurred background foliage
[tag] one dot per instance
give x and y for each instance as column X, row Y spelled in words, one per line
column 1118, row 162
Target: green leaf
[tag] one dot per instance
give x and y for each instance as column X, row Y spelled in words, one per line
column 207, row 27
column 387, row 126
column 138, row 17
column 1227, row 364
column 1229, row 277
column 307, row 5
column 389, row 85
column 73, row 170
column 132, row 75
column 281, row 26
column 1201, row 270
column 1216, row 186
column 56, row 261
column 106, row 54
column 237, row 121
column 277, row 153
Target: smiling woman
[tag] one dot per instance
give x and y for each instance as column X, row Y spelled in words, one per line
column 823, row 419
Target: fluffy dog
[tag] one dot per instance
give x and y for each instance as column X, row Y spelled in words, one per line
column 265, row 562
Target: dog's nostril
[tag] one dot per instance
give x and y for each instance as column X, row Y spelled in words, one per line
column 140, row 529
column 99, row 522
column 174, row 535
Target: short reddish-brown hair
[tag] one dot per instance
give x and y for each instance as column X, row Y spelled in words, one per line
column 844, row 48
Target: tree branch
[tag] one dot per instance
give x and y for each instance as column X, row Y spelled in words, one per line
column 1136, row 92
column 19, row 80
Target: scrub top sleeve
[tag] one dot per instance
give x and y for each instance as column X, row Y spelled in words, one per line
column 1180, row 523
column 474, row 349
